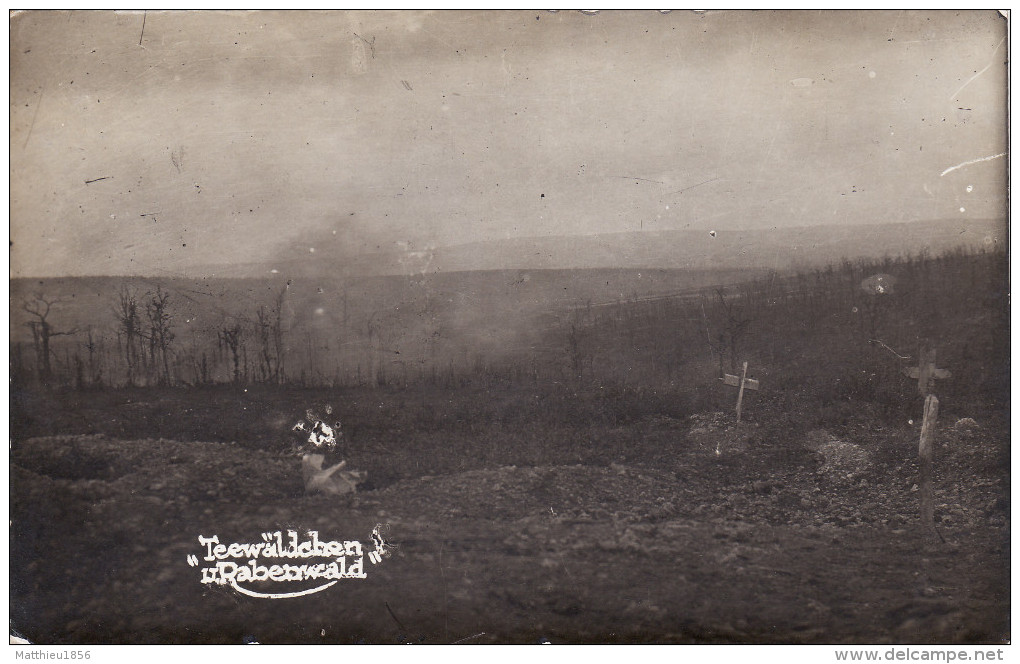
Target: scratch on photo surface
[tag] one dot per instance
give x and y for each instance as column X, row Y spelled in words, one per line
column 371, row 44
column 994, row 51
column 972, row 161
column 34, row 116
column 627, row 177
column 563, row 565
column 468, row 638
column 680, row 191
column 395, row 619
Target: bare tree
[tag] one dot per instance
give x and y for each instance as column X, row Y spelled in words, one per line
column 281, row 368
column 19, row 373
column 262, row 330
column 269, row 329
column 93, row 347
column 380, row 347
column 230, row 337
column 129, row 329
column 40, row 306
column 160, row 330
column 373, row 343
column 736, row 326
column 431, row 330
column 579, row 341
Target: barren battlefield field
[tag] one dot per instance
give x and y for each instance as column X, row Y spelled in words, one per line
column 603, row 493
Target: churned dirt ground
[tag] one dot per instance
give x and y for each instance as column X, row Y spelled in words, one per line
column 721, row 536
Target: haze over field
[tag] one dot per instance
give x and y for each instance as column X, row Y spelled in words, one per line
column 192, row 143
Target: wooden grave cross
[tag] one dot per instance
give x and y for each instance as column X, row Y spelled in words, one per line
column 743, row 382
column 926, row 372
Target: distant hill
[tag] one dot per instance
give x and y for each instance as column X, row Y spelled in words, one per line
column 781, row 249
column 747, row 249
column 444, row 308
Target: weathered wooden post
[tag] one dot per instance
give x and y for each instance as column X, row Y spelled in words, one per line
column 742, row 382
column 925, row 454
column 740, row 391
column 926, row 372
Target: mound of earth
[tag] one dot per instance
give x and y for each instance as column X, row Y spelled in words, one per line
column 719, row 433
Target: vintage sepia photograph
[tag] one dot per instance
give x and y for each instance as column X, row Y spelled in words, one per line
column 509, row 327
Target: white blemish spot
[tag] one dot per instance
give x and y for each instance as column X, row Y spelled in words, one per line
column 911, row 422
column 801, row 82
column 320, row 311
column 667, row 207
column 311, row 250
column 872, row 74
column 970, row 188
column 963, row 209
column 274, row 271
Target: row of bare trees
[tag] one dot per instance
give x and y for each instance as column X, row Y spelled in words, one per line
column 775, row 322
column 146, row 343
column 150, row 338
column 267, row 330
column 142, row 346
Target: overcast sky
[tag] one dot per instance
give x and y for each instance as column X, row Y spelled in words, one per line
column 216, row 137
